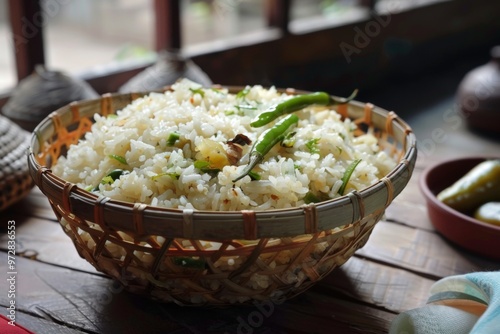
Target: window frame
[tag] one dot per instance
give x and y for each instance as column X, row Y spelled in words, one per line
column 233, row 61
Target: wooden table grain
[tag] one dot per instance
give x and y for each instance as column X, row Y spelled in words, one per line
column 59, row 292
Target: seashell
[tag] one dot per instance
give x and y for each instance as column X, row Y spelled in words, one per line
column 169, row 67
column 15, row 180
column 43, row 92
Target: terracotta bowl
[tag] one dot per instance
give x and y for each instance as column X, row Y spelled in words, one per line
column 471, row 234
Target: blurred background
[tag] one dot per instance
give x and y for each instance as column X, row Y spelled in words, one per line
column 331, row 45
column 82, row 35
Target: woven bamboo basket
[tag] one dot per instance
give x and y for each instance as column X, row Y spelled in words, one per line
column 215, row 258
column 15, row 180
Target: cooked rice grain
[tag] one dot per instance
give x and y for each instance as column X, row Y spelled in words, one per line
column 205, row 119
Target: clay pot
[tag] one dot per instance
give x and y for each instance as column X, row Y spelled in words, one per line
column 15, row 180
column 43, row 92
column 479, row 95
column 170, row 67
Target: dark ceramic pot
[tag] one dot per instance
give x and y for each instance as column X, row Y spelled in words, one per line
column 170, row 67
column 43, row 92
column 479, row 95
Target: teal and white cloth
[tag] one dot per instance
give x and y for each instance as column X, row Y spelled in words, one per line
column 459, row 304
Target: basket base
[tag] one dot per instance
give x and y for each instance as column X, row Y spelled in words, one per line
column 265, row 270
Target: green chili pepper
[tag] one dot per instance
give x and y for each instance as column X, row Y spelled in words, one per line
column 289, row 140
column 111, row 177
column 296, row 103
column 480, row 185
column 254, row 176
column 266, row 142
column 347, row 175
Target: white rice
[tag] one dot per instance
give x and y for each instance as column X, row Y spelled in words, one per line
column 165, row 176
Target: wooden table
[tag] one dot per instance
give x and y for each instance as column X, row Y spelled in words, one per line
column 58, row 292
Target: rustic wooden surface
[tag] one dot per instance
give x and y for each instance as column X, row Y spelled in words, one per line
column 58, row 292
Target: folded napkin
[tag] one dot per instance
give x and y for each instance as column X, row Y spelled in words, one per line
column 7, row 328
column 459, row 304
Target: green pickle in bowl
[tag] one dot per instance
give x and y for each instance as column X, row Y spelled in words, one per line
column 479, row 187
column 489, row 213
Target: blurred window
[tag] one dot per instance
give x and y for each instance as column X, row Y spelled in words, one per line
column 8, row 75
column 322, row 8
column 83, row 34
column 310, row 14
column 207, row 20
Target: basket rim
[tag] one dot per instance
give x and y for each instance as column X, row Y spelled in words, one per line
column 144, row 219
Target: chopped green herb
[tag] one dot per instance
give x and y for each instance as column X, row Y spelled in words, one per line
column 115, row 174
column 340, row 149
column 200, row 164
column 174, row 176
column 119, row 158
column 245, row 107
column 112, row 116
column 218, row 90
column 204, row 166
column 107, row 180
column 312, row 145
column 189, row 262
column 198, row 91
column 311, row 198
column 229, row 112
column 172, row 138
column 89, row 188
column 111, row 177
column 347, row 175
column 242, row 93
